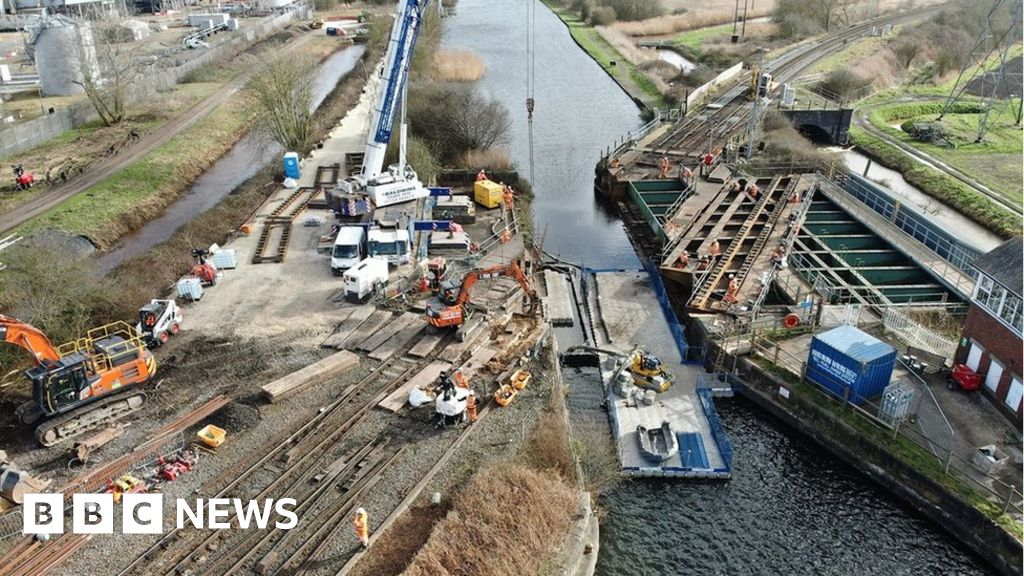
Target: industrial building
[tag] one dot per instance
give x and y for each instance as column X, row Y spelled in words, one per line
column 991, row 341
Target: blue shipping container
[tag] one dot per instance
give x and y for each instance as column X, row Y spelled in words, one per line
column 846, row 360
column 291, row 165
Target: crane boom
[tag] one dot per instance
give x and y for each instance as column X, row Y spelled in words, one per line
column 394, row 76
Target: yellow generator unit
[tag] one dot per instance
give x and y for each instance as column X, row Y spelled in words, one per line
column 488, row 194
column 648, row 372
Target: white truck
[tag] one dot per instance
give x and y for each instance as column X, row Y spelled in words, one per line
column 392, row 243
column 361, row 279
column 348, row 248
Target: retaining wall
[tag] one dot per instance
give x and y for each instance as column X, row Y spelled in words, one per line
column 961, row 520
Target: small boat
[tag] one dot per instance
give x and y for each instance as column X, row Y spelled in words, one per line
column 657, row 444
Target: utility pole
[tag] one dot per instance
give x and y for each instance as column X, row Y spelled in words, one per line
column 757, row 100
column 743, row 32
column 735, row 20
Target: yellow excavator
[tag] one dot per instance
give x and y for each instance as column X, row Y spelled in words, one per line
column 648, row 372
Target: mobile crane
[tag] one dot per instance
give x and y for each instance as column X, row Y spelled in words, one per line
column 399, row 182
column 82, row 384
column 448, row 308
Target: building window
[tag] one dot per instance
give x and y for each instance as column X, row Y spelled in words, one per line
column 1011, row 312
column 989, row 294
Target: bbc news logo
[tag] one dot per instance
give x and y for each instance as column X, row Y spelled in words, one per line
column 43, row 514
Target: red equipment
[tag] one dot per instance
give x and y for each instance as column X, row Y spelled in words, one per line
column 206, row 272
column 174, row 469
column 448, row 308
column 22, row 180
column 961, row 377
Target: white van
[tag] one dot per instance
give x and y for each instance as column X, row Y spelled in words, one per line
column 348, row 249
column 361, row 279
column 392, row 243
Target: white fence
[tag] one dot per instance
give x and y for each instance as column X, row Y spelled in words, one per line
column 916, row 335
column 704, row 91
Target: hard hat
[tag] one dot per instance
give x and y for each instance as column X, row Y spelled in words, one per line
column 360, row 512
column 731, row 276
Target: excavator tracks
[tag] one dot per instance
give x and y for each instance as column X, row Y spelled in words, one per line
column 94, row 415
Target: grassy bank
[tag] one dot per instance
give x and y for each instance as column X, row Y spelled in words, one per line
column 628, row 76
column 994, row 162
column 152, row 271
column 135, row 195
column 938, row 185
column 69, row 154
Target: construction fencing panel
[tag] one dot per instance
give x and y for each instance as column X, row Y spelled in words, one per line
column 918, row 336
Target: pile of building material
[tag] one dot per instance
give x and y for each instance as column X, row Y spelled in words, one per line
column 315, row 373
column 557, row 302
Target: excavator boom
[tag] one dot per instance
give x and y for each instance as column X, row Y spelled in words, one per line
column 30, row 338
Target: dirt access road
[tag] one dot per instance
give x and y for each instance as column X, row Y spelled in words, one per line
column 105, row 169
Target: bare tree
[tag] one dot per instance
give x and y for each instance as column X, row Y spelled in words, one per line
column 906, row 50
column 453, row 119
column 283, row 89
column 105, row 66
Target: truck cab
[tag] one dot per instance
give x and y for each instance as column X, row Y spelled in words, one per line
column 348, row 249
column 393, row 244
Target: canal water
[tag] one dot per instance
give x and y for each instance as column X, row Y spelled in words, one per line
column 790, row 508
column 254, row 151
column 579, row 112
column 968, row 231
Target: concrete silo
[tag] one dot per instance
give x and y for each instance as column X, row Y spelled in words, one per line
column 64, row 49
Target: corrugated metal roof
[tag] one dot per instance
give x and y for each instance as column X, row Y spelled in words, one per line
column 855, row 343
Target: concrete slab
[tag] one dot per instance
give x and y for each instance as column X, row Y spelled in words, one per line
column 397, row 399
column 425, row 346
column 557, row 302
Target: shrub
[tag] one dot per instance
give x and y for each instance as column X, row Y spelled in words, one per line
column 632, row 10
column 458, row 66
column 842, row 83
column 602, row 16
column 488, row 158
column 505, row 522
column 453, row 119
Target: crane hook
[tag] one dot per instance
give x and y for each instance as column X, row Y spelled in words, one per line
column 529, row 107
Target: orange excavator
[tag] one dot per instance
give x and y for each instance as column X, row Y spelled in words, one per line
column 83, row 384
column 448, row 308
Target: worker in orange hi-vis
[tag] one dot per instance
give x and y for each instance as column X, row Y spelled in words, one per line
column 753, row 191
column 471, row 407
column 730, row 292
column 508, row 197
column 481, row 175
column 715, row 249
column 683, row 260
column 362, row 526
column 664, row 167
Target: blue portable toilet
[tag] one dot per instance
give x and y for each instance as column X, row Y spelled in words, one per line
column 850, row 363
column 291, row 165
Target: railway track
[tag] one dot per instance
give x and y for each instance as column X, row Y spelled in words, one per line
column 278, row 224
column 302, row 464
column 690, row 137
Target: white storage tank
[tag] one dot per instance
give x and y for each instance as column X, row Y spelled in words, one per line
column 63, row 51
column 896, row 402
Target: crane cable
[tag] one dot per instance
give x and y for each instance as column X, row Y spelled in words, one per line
column 531, row 54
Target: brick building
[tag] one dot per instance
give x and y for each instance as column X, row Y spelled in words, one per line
column 991, row 342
